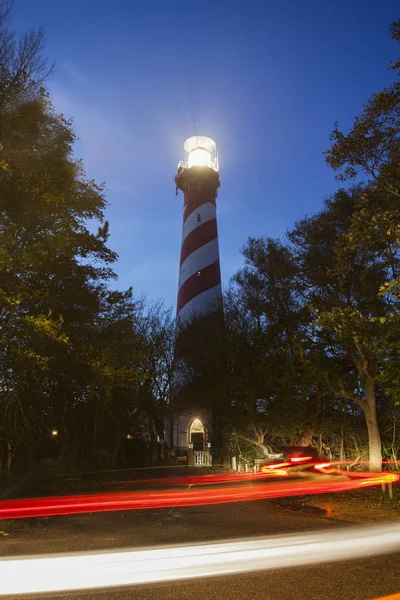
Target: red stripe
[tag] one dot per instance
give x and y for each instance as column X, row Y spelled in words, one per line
column 207, row 232
column 197, row 284
column 193, row 201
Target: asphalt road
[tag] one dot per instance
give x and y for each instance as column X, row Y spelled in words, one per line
column 353, row 580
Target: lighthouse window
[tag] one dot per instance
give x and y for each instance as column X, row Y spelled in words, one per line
column 198, row 217
column 199, row 185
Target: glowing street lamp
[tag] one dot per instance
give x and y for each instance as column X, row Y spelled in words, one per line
column 54, row 432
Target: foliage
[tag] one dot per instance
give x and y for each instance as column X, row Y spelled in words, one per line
column 313, row 321
column 75, row 356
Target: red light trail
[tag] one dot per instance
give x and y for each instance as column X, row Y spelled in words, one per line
column 135, row 500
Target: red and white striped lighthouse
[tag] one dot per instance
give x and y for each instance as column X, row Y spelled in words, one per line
column 199, row 305
column 199, row 288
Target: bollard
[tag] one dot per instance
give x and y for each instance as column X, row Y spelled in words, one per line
column 233, row 459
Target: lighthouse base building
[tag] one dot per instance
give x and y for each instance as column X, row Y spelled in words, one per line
column 191, row 438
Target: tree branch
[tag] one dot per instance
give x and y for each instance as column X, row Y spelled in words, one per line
column 348, row 395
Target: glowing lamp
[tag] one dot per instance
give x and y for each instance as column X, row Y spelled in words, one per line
column 202, row 152
column 54, row 433
column 199, row 158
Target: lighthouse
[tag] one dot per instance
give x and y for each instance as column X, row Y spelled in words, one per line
column 199, row 303
column 199, row 287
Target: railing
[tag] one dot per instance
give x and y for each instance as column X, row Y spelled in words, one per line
column 183, row 164
column 201, row 459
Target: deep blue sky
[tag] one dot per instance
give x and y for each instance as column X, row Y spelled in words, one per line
column 266, row 79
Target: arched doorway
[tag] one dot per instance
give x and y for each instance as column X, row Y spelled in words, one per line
column 196, row 435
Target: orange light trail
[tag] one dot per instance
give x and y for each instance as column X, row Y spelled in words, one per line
column 135, row 500
column 269, row 468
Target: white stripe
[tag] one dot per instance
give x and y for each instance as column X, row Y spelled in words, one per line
column 200, row 258
column 206, row 211
column 107, row 569
column 200, row 305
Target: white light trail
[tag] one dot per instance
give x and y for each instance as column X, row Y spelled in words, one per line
column 109, row 569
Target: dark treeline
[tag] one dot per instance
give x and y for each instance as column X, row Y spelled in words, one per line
column 309, row 351
column 81, row 365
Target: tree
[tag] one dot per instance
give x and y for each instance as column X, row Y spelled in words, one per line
column 343, row 295
column 23, row 67
column 318, row 319
column 75, row 356
column 275, row 387
column 51, row 285
column 371, row 150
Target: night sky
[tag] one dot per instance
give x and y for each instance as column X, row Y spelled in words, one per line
column 266, row 79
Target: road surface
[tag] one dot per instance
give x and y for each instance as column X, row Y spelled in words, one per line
column 354, row 580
